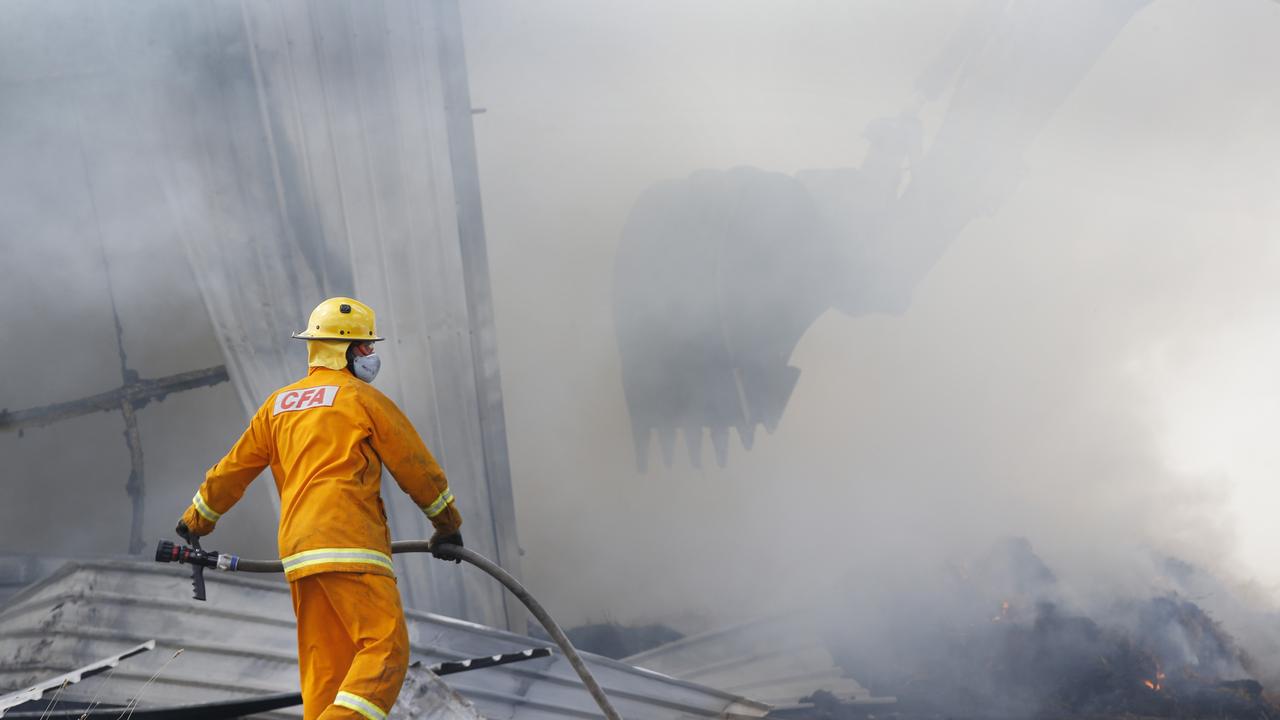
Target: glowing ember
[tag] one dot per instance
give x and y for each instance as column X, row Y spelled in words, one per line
column 1158, row 682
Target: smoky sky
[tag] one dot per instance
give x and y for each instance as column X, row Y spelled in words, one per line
column 1076, row 367
column 1024, row 392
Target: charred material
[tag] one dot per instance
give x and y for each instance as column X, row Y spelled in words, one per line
column 616, row 641
column 1067, row 665
column 136, row 392
column 1031, row 656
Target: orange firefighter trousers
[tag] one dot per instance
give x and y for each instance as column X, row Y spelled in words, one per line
column 353, row 647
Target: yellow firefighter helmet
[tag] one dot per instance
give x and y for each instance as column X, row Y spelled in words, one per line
column 341, row 318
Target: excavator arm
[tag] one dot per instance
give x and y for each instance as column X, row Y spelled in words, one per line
column 720, row 274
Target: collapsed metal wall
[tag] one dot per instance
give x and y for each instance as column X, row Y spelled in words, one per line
column 300, row 150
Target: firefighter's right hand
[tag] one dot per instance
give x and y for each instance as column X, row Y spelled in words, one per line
column 192, row 525
column 185, row 532
column 438, row 539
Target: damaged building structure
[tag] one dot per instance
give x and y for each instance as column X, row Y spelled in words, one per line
column 212, row 169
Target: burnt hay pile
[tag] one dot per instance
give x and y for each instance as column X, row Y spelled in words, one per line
column 1026, row 656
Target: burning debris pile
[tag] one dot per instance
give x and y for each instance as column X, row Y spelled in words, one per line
column 1176, row 663
column 1029, row 655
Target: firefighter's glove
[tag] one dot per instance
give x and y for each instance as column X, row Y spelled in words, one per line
column 439, row 538
column 192, row 525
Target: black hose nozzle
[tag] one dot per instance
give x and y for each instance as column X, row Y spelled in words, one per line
column 167, row 551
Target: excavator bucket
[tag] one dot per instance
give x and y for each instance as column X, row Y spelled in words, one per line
column 715, row 282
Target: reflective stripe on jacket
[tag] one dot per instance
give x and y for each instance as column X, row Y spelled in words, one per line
column 326, row 439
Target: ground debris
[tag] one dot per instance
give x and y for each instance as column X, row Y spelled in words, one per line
column 1004, row 645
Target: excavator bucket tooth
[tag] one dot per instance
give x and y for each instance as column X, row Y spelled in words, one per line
column 667, row 441
column 640, row 436
column 693, row 442
column 720, row 441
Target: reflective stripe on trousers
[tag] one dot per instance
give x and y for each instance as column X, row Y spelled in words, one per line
column 360, row 705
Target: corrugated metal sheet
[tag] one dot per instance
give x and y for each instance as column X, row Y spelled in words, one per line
column 358, row 111
column 242, row 642
column 779, row 660
column 300, row 150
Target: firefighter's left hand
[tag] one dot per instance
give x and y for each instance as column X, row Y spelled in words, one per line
column 438, row 539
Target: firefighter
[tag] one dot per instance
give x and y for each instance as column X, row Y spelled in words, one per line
column 326, row 439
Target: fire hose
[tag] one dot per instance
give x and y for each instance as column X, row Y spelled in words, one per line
column 199, row 559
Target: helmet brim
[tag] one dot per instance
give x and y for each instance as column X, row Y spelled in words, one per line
column 304, row 336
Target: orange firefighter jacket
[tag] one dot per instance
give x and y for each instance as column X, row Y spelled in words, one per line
column 326, row 439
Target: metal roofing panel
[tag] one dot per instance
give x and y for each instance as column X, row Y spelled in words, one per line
column 779, row 659
column 242, row 642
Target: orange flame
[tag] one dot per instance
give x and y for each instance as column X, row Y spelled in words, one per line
column 1158, row 682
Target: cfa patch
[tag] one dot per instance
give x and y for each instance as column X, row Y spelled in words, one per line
column 305, row 398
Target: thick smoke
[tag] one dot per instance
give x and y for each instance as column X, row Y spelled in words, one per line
column 1024, row 392
column 1086, row 366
